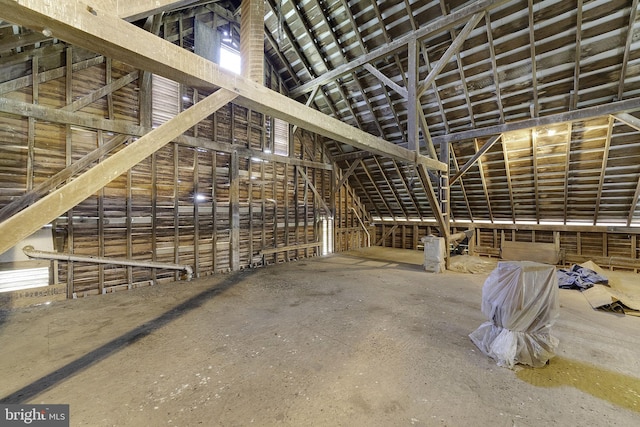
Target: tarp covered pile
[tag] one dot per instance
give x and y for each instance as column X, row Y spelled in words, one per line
column 520, row 299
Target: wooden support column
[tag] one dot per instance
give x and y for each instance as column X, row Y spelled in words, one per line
column 68, row 163
column 412, row 93
column 252, row 40
column 234, row 212
column 443, row 184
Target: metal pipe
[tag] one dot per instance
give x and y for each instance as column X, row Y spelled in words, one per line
column 363, row 227
column 31, row 252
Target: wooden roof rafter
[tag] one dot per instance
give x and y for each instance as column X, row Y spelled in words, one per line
column 391, row 187
column 603, row 169
column 567, row 170
column 440, row 24
column 461, row 183
column 625, row 60
column 483, row 179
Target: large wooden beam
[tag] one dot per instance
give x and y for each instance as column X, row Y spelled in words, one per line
column 42, row 212
column 632, row 104
column 453, row 49
column 475, row 158
column 133, row 10
column 73, row 22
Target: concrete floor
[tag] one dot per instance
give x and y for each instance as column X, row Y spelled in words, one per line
column 363, row 338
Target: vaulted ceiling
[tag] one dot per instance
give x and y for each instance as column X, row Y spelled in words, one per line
column 533, row 104
column 546, row 90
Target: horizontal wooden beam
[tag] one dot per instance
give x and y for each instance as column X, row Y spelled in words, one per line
column 632, row 104
column 118, row 126
column 73, row 22
column 53, row 115
column 271, row 251
column 354, row 155
column 133, row 10
column 518, row 226
column 45, row 210
column 402, row 91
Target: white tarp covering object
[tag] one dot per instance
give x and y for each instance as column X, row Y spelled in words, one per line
column 434, row 254
column 520, row 299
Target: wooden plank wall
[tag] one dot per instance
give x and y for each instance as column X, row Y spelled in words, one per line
column 174, row 207
column 615, row 250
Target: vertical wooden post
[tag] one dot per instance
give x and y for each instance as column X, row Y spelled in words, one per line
column 154, row 214
column 286, row 209
column 31, row 136
column 176, row 210
column 412, row 98
column 214, row 210
column 101, row 240
column 252, row 39
column 129, row 222
column 196, row 213
column 68, row 161
column 234, row 211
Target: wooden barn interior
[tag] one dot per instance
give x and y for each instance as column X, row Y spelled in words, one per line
column 242, row 189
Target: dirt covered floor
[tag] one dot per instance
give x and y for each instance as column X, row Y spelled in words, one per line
column 360, row 339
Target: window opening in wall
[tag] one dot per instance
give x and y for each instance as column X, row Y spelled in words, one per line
column 327, row 235
column 280, row 137
column 230, row 59
column 165, row 100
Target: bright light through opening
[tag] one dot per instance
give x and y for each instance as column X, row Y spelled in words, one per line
column 230, row 59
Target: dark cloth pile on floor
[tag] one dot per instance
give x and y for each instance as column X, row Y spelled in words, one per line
column 578, row 277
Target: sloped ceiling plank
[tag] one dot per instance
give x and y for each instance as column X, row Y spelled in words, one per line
column 576, row 69
column 507, row 170
column 494, row 66
column 625, row 60
column 566, row 169
column 392, row 188
column 603, row 169
column 534, row 154
column 483, row 179
column 535, row 108
column 461, row 183
column 443, row 23
column 634, row 204
column 377, row 189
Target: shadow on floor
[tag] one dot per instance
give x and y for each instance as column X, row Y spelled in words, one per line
column 46, row 382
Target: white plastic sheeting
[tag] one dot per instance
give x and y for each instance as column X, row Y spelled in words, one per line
column 434, row 254
column 520, row 299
